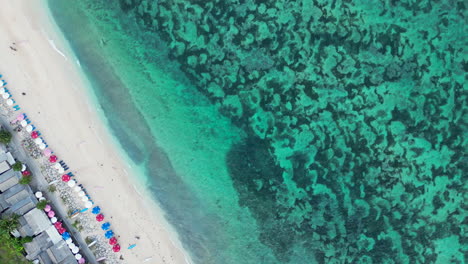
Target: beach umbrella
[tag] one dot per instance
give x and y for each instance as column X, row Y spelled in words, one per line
column 57, row 166
column 75, row 250
column 71, row 183
column 34, row 134
column 23, row 123
column 26, row 173
column 29, row 128
column 65, row 177
column 69, row 241
column 88, row 204
column 66, row 235
column 51, row 214
column 85, row 199
column 53, row 159
column 62, row 231
column 42, row 146
column 57, row 225
column 81, row 261
column 105, row 226
column 53, row 220
column 78, row 256
column 23, row 167
column 96, row 210
column 38, row 194
column 20, row 117
column 47, row 152
column 9, row 102
column 81, row 194
column 116, row 248
column 100, row 217
column 5, row 96
column 113, row 241
column 72, row 245
column 47, row 208
column 77, row 188
column 61, row 170
column 38, row 141
column 109, row 234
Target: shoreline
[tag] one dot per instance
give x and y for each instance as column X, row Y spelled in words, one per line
column 27, row 73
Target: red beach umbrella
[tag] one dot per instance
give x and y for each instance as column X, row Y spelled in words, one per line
column 113, row 241
column 100, row 217
column 26, row 173
column 58, row 225
column 62, row 230
column 116, row 248
column 65, row 177
column 53, row 159
column 34, row 134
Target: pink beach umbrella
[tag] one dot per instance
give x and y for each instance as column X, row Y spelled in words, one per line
column 47, row 152
column 100, row 217
column 26, row 173
column 51, row 213
column 20, row 117
column 116, row 248
column 81, row 261
column 61, row 230
column 34, row 134
column 47, row 208
column 58, row 225
column 113, row 241
column 53, row 159
column 65, row 177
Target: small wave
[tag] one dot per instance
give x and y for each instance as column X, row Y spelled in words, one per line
column 52, row 43
column 78, row 63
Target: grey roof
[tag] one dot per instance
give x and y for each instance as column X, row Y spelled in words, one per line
column 47, row 252
column 4, row 166
column 22, row 206
column 13, row 195
column 10, row 158
column 8, row 179
column 33, row 223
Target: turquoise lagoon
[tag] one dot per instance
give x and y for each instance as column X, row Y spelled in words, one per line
column 289, row 132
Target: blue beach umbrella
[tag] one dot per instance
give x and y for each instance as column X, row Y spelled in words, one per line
column 105, row 226
column 109, row 234
column 96, row 210
column 66, row 236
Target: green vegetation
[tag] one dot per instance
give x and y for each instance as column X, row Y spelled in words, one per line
column 11, row 248
column 17, row 166
column 52, row 188
column 88, row 240
column 25, row 180
column 5, row 136
column 77, row 225
column 42, row 204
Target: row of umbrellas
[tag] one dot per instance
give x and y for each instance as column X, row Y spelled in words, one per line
column 106, row 226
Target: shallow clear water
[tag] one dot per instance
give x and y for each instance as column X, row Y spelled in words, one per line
column 289, row 132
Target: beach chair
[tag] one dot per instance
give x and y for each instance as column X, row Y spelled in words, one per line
column 16, row 107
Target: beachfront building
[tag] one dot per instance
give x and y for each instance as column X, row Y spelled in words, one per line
column 47, row 246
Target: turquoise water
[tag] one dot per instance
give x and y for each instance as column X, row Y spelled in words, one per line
column 289, row 132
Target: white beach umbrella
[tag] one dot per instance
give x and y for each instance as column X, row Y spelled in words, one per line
column 53, row 220
column 71, row 245
column 78, row 256
column 2, row 91
column 75, row 250
column 29, row 128
column 24, row 123
column 42, row 199
column 71, row 183
column 38, row 141
column 85, row 199
column 81, row 194
column 61, row 170
column 77, row 188
column 38, row 194
column 69, row 241
column 42, row 146
column 57, row 166
column 5, row 96
column 23, row 167
column 88, row 204
column 9, row 102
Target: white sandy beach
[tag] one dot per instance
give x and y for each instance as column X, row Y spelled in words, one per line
column 56, row 101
